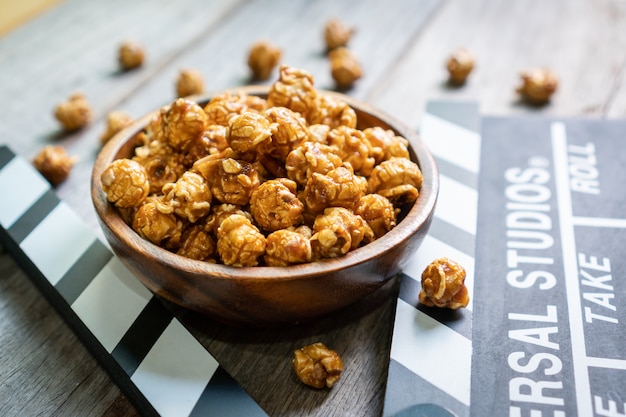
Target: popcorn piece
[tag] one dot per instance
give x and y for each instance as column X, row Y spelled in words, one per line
column 239, row 242
column 263, row 58
column 275, row 206
column 337, row 34
column 398, row 179
column 538, row 85
column 75, row 113
column 182, row 122
column 287, row 247
column 189, row 82
column 131, row 55
column 345, row 68
column 294, row 90
column 189, row 196
column 125, row 183
column 460, row 64
column 317, row 366
column 378, row 212
column 337, row 231
column 443, row 285
column 54, row 164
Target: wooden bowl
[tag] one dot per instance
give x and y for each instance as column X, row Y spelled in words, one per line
column 269, row 296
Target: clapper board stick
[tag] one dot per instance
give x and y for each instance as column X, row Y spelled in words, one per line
column 154, row 359
column 431, row 349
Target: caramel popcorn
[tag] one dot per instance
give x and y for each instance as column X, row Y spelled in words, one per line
column 287, row 247
column 262, row 59
column 338, row 188
column 196, row 243
column 385, row 144
column 338, row 231
column 221, row 212
column 398, row 179
column 443, row 285
column 294, row 90
column 154, row 221
column 116, row 121
column 125, row 183
column 317, row 366
column 337, row 34
column 75, row 113
column 248, row 130
column 332, row 112
column 239, row 242
column 274, row 205
column 212, row 141
column 161, row 163
column 308, row 158
column 189, row 197
column 345, row 68
column 352, row 147
column 459, row 65
column 230, row 180
column 182, row 123
column 54, row 164
column 246, row 181
column 189, row 82
column 131, row 55
column 538, row 85
column 290, row 131
column 378, row 212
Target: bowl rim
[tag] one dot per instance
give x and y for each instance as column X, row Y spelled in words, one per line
column 417, row 216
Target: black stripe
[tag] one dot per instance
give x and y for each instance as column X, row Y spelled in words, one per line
column 452, row 235
column 6, row 155
column 224, row 397
column 80, row 275
column 142, row 335
column 457, row 173
column 409, row 395
column 32, row 217
column 458, row 320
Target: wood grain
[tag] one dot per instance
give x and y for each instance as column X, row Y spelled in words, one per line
column 402, row 45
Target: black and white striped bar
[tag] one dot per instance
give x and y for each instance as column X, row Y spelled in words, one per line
column 156, row 362
column 431, row 351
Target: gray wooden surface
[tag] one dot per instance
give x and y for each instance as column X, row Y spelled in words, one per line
column 402, row 44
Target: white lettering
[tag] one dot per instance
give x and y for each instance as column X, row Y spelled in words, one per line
column 514, row 279
column 536, row 336
column 555, row 364
column 534, row 391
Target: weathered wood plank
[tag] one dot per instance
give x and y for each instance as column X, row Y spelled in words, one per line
column 584, row 42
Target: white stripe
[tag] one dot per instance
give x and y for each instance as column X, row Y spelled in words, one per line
column 111, row 303
column 433, row 351
column 599, row 222
column 432, row 249
column 175, row 372
column 20, row 187
column 457, row 204
column 451, row 142
column 570, row 268
column 607, row 363
column 57, row 242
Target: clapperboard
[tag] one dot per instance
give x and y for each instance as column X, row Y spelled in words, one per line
column 156, row 361
column 545, row 333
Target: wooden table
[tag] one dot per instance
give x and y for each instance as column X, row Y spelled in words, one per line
column 402, row 45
